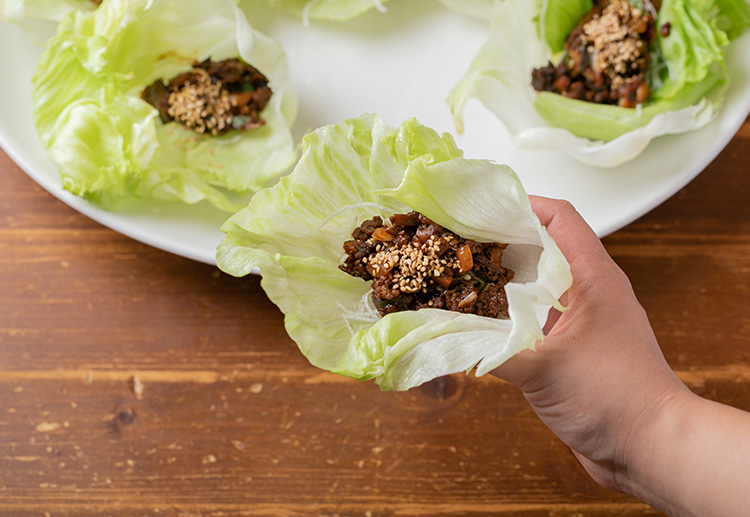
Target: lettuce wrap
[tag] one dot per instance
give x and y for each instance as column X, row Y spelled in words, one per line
column 293, row 234
column 687, row 78
column 110, row 145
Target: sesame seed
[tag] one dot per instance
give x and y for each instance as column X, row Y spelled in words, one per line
column 614, row 42
column 200, row 104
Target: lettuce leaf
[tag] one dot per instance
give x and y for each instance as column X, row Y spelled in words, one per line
column 293, row 233
column 110, row 145
column 688, row 78
column 694, row 49
column 559, row 18
column 608, row 122
column 336, row 10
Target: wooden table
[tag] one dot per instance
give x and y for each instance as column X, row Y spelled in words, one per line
column 136, row 382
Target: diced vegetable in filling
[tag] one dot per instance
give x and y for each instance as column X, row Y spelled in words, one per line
column 415, row 264
column 606, row 57
column 212, row 97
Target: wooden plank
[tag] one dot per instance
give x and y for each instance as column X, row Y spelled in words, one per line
column 261, row 440
column 687, row 261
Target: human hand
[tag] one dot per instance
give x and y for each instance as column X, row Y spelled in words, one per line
column 599, row 377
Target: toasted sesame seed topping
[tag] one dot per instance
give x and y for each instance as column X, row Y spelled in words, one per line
column 616, row 44
column 200, row 104
column 413, row 264
column 213, row 97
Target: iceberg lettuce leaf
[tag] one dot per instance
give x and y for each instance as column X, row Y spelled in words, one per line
column 293, row 233
column 699, row 32
column 559, row 18
column 110, row 145
column 608, row 122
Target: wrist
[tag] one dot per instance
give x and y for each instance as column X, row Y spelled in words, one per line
column 644, row 457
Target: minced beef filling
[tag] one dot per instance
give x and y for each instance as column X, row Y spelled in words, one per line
column 212, row 97
column 606, row 57
column 414, row 263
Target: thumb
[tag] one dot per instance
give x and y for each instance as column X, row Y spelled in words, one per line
column 520, row 370
column 579, row 244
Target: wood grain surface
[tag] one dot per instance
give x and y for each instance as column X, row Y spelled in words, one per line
column 136, row 382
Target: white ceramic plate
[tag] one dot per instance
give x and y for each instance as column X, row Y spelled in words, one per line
column 400, row 64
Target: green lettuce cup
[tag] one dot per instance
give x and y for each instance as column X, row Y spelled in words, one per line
column 687, row 78
column 293, row 234
column 110, row 145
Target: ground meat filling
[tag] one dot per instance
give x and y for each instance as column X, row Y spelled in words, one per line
column 414, row 264
column 606, row 57
column 212, row 97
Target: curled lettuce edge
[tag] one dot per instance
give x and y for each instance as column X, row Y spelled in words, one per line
column 500, row 80
column 292, row 234
column 109, row 145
